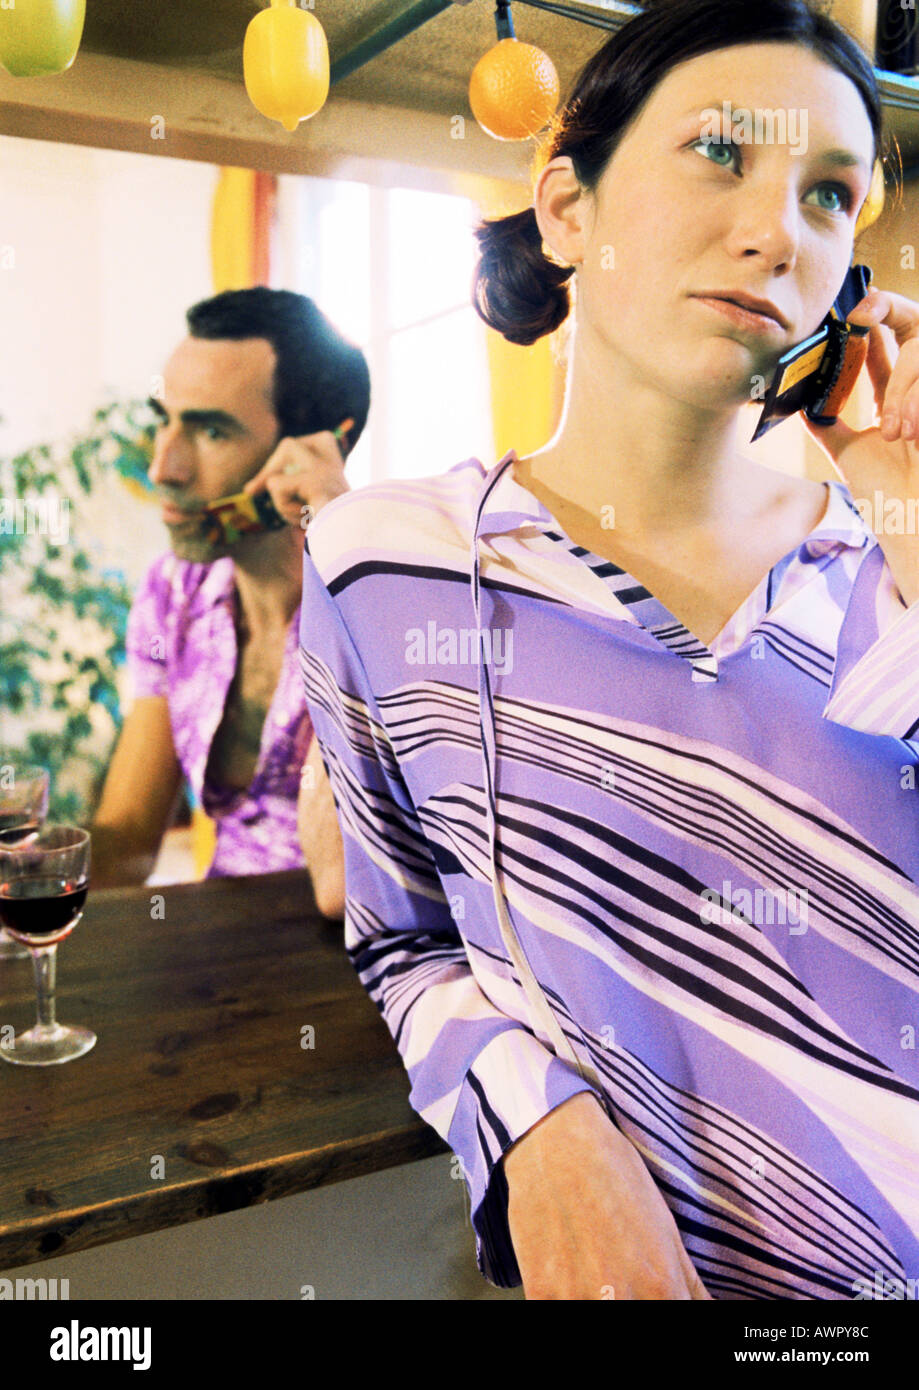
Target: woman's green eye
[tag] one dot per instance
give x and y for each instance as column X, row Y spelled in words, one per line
column 725, row 147
column 840, row 193
column 724, row 152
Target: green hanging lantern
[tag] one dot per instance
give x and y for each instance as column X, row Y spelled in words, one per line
column 40, row 37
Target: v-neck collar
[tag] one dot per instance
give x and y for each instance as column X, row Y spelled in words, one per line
column 508, row 507
column 214, row 796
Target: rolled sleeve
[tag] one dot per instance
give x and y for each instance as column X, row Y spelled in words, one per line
column 511, row 1084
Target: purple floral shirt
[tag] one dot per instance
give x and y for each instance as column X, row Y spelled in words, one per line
column 181, row 643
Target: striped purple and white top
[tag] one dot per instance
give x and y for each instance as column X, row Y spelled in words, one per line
column 584, row 851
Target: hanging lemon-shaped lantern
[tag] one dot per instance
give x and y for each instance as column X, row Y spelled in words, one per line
column 286, row 63
column 873, row 205
column 40, row 37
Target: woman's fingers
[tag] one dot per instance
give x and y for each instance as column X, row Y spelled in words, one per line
column 892, row 367
column 900, row 407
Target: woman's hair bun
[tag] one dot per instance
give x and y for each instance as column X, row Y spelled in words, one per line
column 517, row 290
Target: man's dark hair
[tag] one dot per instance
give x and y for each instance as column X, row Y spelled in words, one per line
column 320, row 379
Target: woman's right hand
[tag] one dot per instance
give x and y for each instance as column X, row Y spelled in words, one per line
column 586, row 1218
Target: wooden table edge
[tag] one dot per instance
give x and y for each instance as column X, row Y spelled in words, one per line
column 55, row 1233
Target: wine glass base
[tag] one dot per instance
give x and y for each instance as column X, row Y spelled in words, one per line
column 44, row 1047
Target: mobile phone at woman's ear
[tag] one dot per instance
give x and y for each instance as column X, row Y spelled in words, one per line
column 817, row 376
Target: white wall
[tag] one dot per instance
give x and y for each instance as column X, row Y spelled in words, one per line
column 108, row 251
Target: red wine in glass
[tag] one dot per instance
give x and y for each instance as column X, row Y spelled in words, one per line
column 43, row 887
column 24, row 790
column 40, row 909
column 17, row 828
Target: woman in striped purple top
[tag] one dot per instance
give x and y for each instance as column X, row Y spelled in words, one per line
column 624, row 736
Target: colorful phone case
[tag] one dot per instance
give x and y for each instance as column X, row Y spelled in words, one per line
column 231, row 517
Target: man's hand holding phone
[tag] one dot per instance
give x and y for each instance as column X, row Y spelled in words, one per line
column 303, row 474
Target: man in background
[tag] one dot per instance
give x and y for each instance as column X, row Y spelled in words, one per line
column 251, row 400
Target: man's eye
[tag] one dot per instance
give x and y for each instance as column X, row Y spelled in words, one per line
column 214, row 432
column 715, row 149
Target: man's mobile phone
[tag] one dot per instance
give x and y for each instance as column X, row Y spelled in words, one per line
column 817, row 376
column 231, row 517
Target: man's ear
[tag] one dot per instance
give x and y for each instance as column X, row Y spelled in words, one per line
column 562, row 210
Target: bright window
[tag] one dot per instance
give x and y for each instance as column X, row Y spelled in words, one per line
column 392, row 268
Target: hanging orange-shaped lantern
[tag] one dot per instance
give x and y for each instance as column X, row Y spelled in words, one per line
column 40, row 37
column 286, row 63
column 513, row 90
column 514, row 87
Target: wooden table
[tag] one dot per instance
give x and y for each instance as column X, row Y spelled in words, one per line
column 199, row 1096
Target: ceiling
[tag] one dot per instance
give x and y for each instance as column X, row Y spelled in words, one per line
column 428, row 69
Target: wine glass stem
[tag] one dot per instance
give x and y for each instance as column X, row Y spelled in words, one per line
column 44, row 959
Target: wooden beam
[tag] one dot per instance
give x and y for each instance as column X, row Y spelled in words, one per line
column 114, row 103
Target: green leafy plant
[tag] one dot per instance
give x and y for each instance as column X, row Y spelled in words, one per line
column 64, row 604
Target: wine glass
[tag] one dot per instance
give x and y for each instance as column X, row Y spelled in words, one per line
column 43, row 886
column 23, row 807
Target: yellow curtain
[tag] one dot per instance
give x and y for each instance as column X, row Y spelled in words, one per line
column 233, row 230
column 203, row 841
column 524, row 392
column 240, row 250
column 241, row 219
column 526, row 382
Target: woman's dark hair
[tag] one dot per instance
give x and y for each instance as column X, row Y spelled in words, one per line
column 517, row 289
column 320, row 379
